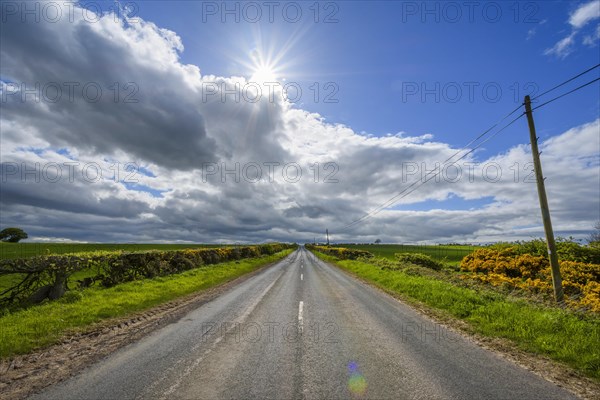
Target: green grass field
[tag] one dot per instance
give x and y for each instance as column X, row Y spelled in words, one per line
column 449, row 254
column 24, row 250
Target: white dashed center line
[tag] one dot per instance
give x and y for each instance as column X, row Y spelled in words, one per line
column 300, row 317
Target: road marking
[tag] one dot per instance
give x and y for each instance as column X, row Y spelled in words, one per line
column 300, row 317
column 301, row 277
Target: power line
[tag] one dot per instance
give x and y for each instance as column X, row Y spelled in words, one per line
column 420, row 183
column 485, row 132
column 567, row 93
column 394, row 199
column 472, row 150
column 567, row 81
column 391, row 200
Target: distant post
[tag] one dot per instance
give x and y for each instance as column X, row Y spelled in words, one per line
column 541, row 189
column 327, row 232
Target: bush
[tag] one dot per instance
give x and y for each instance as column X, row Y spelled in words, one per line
column 419, row 259
column 567, row 250
column 507, row 266
column 72, row 296
column 341, row 253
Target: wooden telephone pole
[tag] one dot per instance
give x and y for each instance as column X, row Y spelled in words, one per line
column 541, row 188
column 327, row 232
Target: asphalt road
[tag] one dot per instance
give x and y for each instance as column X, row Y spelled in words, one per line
column 304, row 329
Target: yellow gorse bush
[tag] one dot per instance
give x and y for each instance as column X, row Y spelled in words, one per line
column 591, row 296
column 506, row 267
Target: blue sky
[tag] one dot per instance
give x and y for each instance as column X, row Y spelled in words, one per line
column 380, row 50
column 370, row 63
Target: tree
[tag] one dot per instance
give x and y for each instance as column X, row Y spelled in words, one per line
column 12, row 235
column 594, row 237
column 377, row 241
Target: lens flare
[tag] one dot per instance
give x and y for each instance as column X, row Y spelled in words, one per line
column 357, row 384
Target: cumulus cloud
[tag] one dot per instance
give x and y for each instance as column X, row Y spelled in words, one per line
column 81, row 62
column 578, row 19
column 201, row 158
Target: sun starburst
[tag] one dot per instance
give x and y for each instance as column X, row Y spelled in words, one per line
column 263, row 73
column 262, row 69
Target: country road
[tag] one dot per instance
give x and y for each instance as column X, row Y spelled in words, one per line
column 304, row 329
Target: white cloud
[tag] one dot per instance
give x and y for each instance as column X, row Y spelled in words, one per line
column 533, row 31
column 591, row 40
column 585, row 13
column 579, row 18
column 563, row 47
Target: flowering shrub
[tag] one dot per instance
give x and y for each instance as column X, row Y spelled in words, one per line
column 567, row 250
column 591, row 297
column 507, row 266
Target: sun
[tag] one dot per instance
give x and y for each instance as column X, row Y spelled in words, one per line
column 266, row 57
column 262, row 68
column 263, row 73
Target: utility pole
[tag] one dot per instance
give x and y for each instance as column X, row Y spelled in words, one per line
column 541, row 188
column 327, row 232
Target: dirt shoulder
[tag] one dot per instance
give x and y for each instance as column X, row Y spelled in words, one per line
column 24, row 375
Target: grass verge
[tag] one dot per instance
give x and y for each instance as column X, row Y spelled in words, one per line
column 39, row 326
column 566, row 337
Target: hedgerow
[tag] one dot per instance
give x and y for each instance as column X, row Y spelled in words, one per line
column 341, row 253
column 419, row 259
column 46, row 276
